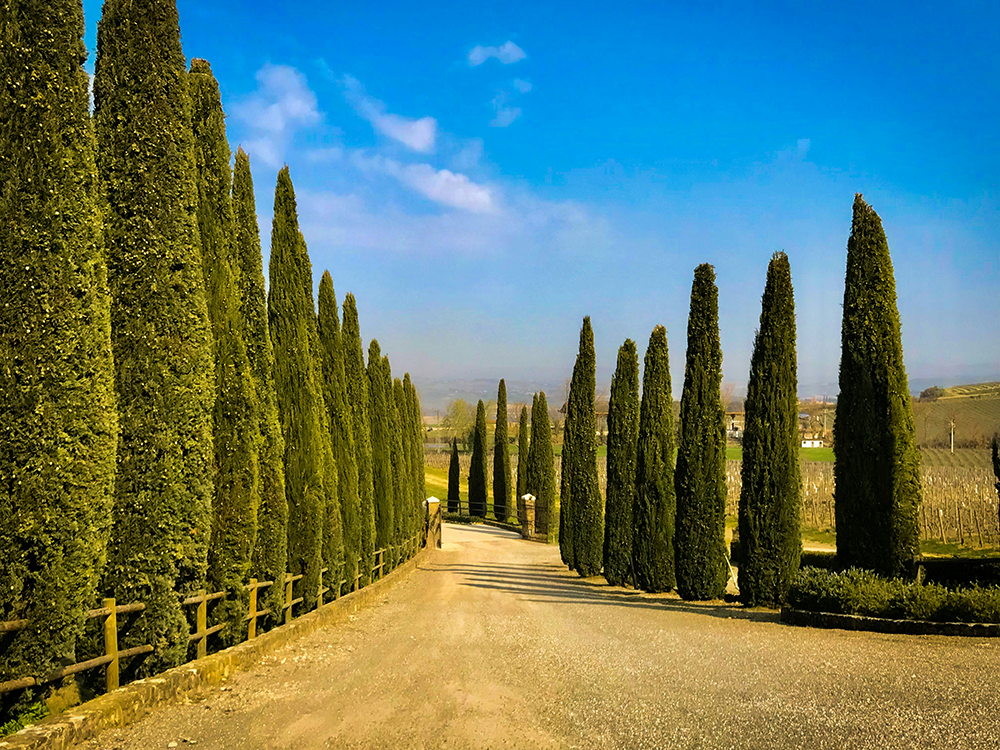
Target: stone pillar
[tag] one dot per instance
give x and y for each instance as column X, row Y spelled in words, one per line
column 527, row 503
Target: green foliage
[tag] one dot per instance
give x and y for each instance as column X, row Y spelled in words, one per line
column 454, row 474
column 861, row 592
column 58, row 421
column 160, row 330
column 623, row 439
column 378, row 418
column 357, row 400
column 300, row 401
column 270, row 554
column 417, row 456
column 522, row 456
column 236, row 418
column 399, row 457
column 341, row 427
column 588, row 507
column 655, row 509
column 477, row 469
column 502, row 508
column 877, row 464
column 541, row 477
column 770, row 498
column 565, row 491
column 700, row 478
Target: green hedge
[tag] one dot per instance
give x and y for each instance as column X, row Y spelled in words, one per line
column 861, row 592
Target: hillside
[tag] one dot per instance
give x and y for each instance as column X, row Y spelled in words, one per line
column 975, row 410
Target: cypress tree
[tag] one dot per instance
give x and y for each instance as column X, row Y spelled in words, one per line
column 404, row 498
column 541, row 469
column 270, row 554
column 501, row 459
column 357, row 400
column 565, row 490
column 588, row 507
column 477, row 469
column 161, row 335
column 58, row 421
column 400, row 463
column 416, row 456
column 700, row 479
column 300, row 402
column 454, row 472
column 770, row 500
column 236, row 420
column 341, row 430
column 623, row 436
column 522, row 456
column 378, row 417
column 655, row 509
column 876, row 461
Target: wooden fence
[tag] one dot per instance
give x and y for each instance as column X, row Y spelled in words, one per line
column 109, row 610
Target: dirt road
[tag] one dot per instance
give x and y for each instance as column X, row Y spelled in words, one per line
column 492, row 643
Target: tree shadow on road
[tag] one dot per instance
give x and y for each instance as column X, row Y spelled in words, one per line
column 552, row 583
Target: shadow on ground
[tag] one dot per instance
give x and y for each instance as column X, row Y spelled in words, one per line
column 547, row 583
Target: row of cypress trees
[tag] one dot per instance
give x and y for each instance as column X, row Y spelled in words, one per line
column 665, row 520
column 166, row 426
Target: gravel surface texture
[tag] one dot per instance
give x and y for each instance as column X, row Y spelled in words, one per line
column 492, row 643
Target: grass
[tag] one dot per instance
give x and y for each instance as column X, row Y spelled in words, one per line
column 735, row 453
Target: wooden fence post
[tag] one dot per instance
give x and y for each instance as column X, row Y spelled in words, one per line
column 201, row 623
column 288, row 598
column 111, row 644
column 252, row 624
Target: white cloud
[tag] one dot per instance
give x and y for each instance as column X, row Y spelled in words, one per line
column 439, row 185
column 506, row 53
column 803, row 147
column 282, row 103
column 418, row 135
column 504, row 114
column 523, row 86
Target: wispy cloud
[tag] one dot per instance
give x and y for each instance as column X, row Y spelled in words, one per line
column 439, row 185
column 505, row 114
column 523, row 86
column 282, row 103
column 506, row 53
column 416, row 134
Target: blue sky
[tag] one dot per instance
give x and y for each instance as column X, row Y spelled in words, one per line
column 483, row 175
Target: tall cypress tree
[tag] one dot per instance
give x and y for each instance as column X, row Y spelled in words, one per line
column 161, row 335
column 655, row 510
column 300, row 402
column 341, row 429
column 58, row 421
column 400, row 463
column 588, row 507
column 501, row 458
column 541, row 469
column 523, row 452
column 623, row 436
column 876, row 461
column 416, row 456
column 454, row 472
column 477, row 468
column 404, row 497
column 700, row 479
column 357, row 400
column 270, row 554
column 565, row 490
column 770, row 498
column 378, row 418
column 236, row 419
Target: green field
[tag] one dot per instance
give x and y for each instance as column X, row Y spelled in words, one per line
column 735, row 453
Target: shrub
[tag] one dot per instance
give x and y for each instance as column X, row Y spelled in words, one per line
column 862, row 592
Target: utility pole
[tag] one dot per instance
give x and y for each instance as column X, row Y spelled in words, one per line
column 951, row 422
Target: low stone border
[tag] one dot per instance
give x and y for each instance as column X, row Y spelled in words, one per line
column 130, row 703
column 884, row 625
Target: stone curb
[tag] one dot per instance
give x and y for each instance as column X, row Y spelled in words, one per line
column 883, row 625
column 130, row 703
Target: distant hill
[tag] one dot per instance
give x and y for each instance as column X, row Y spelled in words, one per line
column 974, row 408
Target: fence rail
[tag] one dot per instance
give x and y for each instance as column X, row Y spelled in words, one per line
column 110, row 609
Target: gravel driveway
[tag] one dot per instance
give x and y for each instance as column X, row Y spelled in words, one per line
column 492, row 643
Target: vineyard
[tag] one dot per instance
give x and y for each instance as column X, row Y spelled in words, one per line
column 974, row 410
